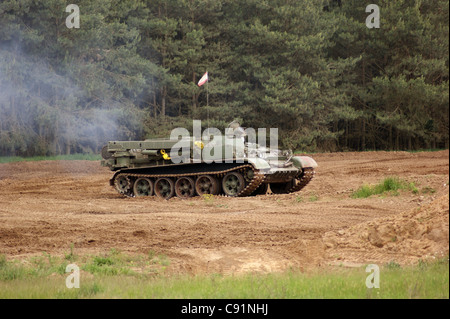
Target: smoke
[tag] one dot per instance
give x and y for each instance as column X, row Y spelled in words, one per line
column 44, row 112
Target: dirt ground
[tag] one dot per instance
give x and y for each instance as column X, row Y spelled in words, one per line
column 49, row 206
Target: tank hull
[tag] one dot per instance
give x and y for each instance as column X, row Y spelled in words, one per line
column 145, row 169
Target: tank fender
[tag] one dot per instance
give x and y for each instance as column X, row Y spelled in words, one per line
column 304, row 162
column 259, row 163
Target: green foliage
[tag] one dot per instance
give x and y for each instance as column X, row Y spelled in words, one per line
column 72, row 157
column 321, row 77
column 71, row 255
column 428, row 190
column 299, row 199
column 389, row 185
column 425, row 280
column 110, row 264
column 313, row 198
column 392, row 265
column 39, row 266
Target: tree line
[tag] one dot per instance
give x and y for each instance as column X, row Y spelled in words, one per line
column 312, row 69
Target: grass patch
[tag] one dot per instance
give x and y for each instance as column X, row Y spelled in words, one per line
column 428, row 190
column 299, row 199
column 117, row 263
column 391, row 185
column 72, row 157
column 428, row 280
column 112, row 263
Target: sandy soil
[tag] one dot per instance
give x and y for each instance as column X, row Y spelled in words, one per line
column 49, row 206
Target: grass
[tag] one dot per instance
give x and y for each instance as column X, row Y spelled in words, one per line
column 112, row 263
column 428, row 190
column 115, row 275
column 390, row 185
column 88, row 157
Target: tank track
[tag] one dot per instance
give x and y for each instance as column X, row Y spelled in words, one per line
column 305, row 177
column 252, row 185
column 258, row 178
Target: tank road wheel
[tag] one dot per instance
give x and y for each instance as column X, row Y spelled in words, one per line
column 122, row 184
column 185, row 187
column 164, row 187
column 143, row 187
column 207, row 184
column 233, row 183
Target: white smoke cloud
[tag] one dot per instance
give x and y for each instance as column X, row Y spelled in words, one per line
column 41, row 110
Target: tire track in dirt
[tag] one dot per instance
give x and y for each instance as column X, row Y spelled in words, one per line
column 49, row 206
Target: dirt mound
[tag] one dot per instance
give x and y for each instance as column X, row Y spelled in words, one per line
column 419, row 233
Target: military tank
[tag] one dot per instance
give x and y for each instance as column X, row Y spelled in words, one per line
column 227, row 166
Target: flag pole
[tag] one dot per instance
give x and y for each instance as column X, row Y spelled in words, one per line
column 207, row 100
column 202, row 81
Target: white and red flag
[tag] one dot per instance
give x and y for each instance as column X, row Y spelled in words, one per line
column 203, row 80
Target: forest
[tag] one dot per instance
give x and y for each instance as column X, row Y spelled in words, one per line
column 311, row 68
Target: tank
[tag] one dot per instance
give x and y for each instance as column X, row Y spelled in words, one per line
column 186, row 167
